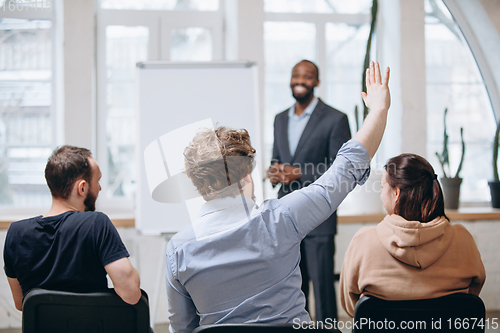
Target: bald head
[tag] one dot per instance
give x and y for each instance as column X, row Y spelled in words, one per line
column 312, row 66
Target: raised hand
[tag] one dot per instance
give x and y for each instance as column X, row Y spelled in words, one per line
column 377, row 96
column 378, row 99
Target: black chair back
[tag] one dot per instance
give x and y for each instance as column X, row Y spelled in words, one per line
column 456, row 312
column 104, row 312
column 261, row 328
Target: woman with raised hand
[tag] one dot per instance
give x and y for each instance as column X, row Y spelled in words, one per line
column 415, row 252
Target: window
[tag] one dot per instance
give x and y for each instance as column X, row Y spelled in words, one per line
column 285, row 44
column 345, row 47
column 454, row 82
column 26, row 110
column 180, row 30
column 125, row 46
column 202, row 5
column 318, row 6
column 191, row 44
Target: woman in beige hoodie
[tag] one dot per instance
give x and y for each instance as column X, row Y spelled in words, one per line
column 414, row 253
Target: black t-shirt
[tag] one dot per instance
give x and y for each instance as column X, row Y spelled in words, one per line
column 65, row 252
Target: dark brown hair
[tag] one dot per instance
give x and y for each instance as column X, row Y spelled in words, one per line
column 421, row 197
column 216, row 159
column 65, row 166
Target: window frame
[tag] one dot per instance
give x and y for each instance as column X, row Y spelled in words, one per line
column 476, row 50
column 478, row 53
column 160, row 23
column 12, row 213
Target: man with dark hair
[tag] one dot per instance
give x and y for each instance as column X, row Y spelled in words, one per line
column 307, row 137
column 239, row 263
column 72, row 248
column 73, row 163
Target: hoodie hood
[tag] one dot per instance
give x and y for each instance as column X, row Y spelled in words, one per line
column 415, row 243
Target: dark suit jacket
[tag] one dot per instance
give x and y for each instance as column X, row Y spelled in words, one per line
column 327, row 130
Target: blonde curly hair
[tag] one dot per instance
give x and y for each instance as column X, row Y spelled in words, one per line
column 217, row 159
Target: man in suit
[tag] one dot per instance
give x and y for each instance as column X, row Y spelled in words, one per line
column 307, row 137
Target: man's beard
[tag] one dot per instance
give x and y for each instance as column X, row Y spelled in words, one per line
column 90, row 202
column 305, row 97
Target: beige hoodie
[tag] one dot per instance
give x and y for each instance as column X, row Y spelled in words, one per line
column 400, row 259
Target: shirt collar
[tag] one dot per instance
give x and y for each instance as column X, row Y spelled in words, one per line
column 225, row 203
column 221, row 215
column 308, row 111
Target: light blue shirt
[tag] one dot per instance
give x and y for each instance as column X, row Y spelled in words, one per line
column 296, row 124
column 246, row 269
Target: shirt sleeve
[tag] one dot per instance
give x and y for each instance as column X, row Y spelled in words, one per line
column 312, row 205
column 109, row 244
column 7, row 255
column 181, row 309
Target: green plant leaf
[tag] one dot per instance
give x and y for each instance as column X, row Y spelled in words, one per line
column 463, row 152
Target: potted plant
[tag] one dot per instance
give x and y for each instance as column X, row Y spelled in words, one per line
column 495, row 184
column 451, row 185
